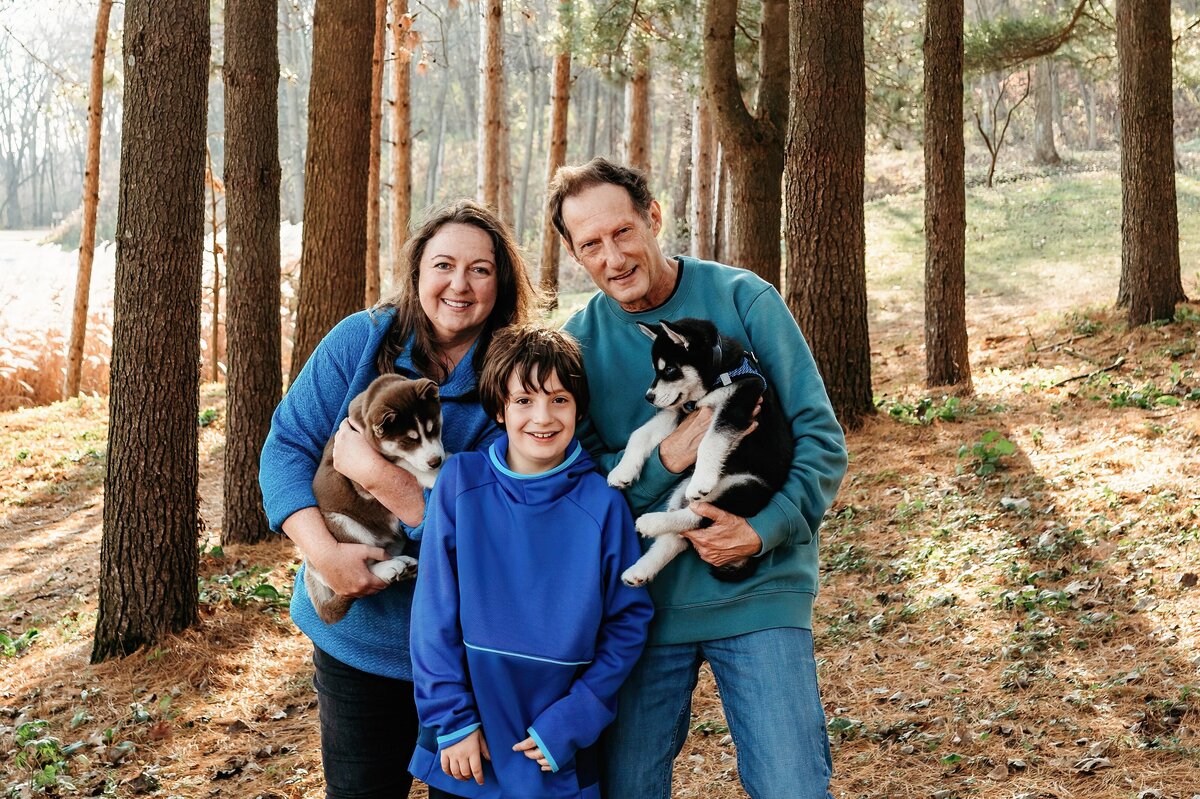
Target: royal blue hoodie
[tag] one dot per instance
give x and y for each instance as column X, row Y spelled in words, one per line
column 521, row 623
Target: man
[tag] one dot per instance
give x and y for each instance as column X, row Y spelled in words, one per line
column 755, row 634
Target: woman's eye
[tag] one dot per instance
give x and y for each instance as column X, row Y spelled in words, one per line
column 483, row 271
column 414, row 435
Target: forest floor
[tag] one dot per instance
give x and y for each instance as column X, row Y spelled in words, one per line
column 1009, row 602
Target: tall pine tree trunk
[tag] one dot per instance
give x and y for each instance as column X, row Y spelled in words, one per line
column 826, row 157
column 252, row 175
column 332, row 281
column 945, row 198
column 752, row 142
column 402, row 136
column 703, row 156
column 91, row 199
column 491, row 106
column 637, row 108
column 1044, row 151
column 148, row 554
column 1150, row 275
column 379, row 46
column 559, row 105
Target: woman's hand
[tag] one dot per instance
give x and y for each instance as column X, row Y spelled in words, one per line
column 343, row 567
column 464, row 760
column 395, row 488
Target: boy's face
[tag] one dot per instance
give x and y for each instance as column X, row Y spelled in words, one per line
column 540, row 424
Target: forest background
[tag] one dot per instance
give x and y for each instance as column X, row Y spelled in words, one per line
column 1009, row 603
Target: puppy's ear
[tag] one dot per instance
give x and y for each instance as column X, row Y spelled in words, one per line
column 427, row 389
column 674, row 335
column 380, row 420
column 650, row 331
column 355, row 412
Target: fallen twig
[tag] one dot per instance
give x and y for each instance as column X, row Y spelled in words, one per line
column 1114, row 365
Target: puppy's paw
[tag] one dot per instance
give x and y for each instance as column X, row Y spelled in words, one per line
column 624, row 473
column 396, row 570
column 652, row 525
column 636, row 576
column 700, row 486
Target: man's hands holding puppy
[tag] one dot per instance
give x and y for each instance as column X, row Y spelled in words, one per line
column 729, row 538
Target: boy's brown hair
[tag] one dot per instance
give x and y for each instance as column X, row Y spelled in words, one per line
column 532, row 352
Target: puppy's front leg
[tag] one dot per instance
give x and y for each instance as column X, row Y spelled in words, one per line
column 395, row 570
column 727, row 430
column 661, row 552
column 654, row 525
column 641, row 443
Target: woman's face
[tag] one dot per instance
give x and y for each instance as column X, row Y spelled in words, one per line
column 456, row 282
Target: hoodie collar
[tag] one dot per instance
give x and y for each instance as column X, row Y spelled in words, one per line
column 529, row 489
column 458, row 384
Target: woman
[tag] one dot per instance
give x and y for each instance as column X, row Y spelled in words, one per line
column 464, row 280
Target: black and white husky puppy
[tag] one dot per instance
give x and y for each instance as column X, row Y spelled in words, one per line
column 696, row 366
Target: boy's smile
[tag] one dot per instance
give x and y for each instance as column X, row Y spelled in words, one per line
column 540, row 422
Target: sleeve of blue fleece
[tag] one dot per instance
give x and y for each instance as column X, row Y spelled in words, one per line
column 576, row 720
column 306, row 418
column 439, row 658
column 819, row 455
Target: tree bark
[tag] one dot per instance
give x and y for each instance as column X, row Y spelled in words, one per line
column 402, row 135
column 371, row 276
column 682, row 200
column 148, row 560
column 252, row 175
column 826, row 158
column 1044, row 151
column 637, row 109
column 753, row 142
column 560, row 100
column 1151, row 284
column 91, row 200
column 332, row 282
column 214, row 333
column 491, row 104
column 703, row 157
column 945, row 198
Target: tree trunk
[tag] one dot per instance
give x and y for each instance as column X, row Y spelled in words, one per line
column 402, row 136
column 491, row 67
column 534, row 107
column 720, row 205
column 945, row 199
column 1044, row 151
column 214, row 332
column 1150, row 274
column 252, row 176
column 435, row 149
column 703, row 157
column 91, row 199
column 637, row 109
column 559, row 105
column 148, row 561
column 593, row 117
column 1089, row 104
column 371, row 276
column 752, row 143
column 506, row 181
column 335, row 172
column 826, row 162
column 683, row 186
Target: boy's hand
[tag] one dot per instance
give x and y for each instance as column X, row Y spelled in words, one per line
column 530, row 749
column 464, row 760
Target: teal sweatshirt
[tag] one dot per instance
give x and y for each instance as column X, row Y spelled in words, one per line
column 691, row 605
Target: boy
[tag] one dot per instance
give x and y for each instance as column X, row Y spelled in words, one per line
column 522, row 631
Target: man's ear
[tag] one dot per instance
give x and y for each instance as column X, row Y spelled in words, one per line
column 656, row 220
column 674, row 335
column 570, row 248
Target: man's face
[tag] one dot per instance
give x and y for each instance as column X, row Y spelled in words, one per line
column 618, row 246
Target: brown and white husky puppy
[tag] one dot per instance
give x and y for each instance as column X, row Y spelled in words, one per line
column 402, row 420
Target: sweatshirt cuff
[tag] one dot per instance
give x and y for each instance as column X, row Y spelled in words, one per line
column 537, row 739
column 773, row 525
column 284, row 503
column 570, row 724
column 451, row 738
column 653, row 485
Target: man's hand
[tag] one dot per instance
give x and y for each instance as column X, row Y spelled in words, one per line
column 343, row 567
column 678, row 450
column 730, row 538
column 530, row 748
column 464, row 760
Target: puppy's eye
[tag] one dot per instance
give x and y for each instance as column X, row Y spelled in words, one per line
column 414, row 435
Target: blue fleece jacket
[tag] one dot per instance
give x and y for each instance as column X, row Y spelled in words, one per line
column 521, row 623
column 689, row 604
column 373, row 637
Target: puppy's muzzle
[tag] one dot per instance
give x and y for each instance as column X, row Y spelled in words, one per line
column 434, row 461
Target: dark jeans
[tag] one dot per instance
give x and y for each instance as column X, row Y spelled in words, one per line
column 438, row 793
column 368, row 731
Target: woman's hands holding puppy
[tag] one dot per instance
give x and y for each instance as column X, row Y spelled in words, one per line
column 343, row 567
column 394, row 487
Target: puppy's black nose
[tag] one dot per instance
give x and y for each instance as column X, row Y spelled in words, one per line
column 435, row 462
column 650, row 395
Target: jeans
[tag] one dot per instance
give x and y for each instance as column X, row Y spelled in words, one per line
column 768, row 686
column 368, row 730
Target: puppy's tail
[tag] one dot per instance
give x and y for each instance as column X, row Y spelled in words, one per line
column 735, row 572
